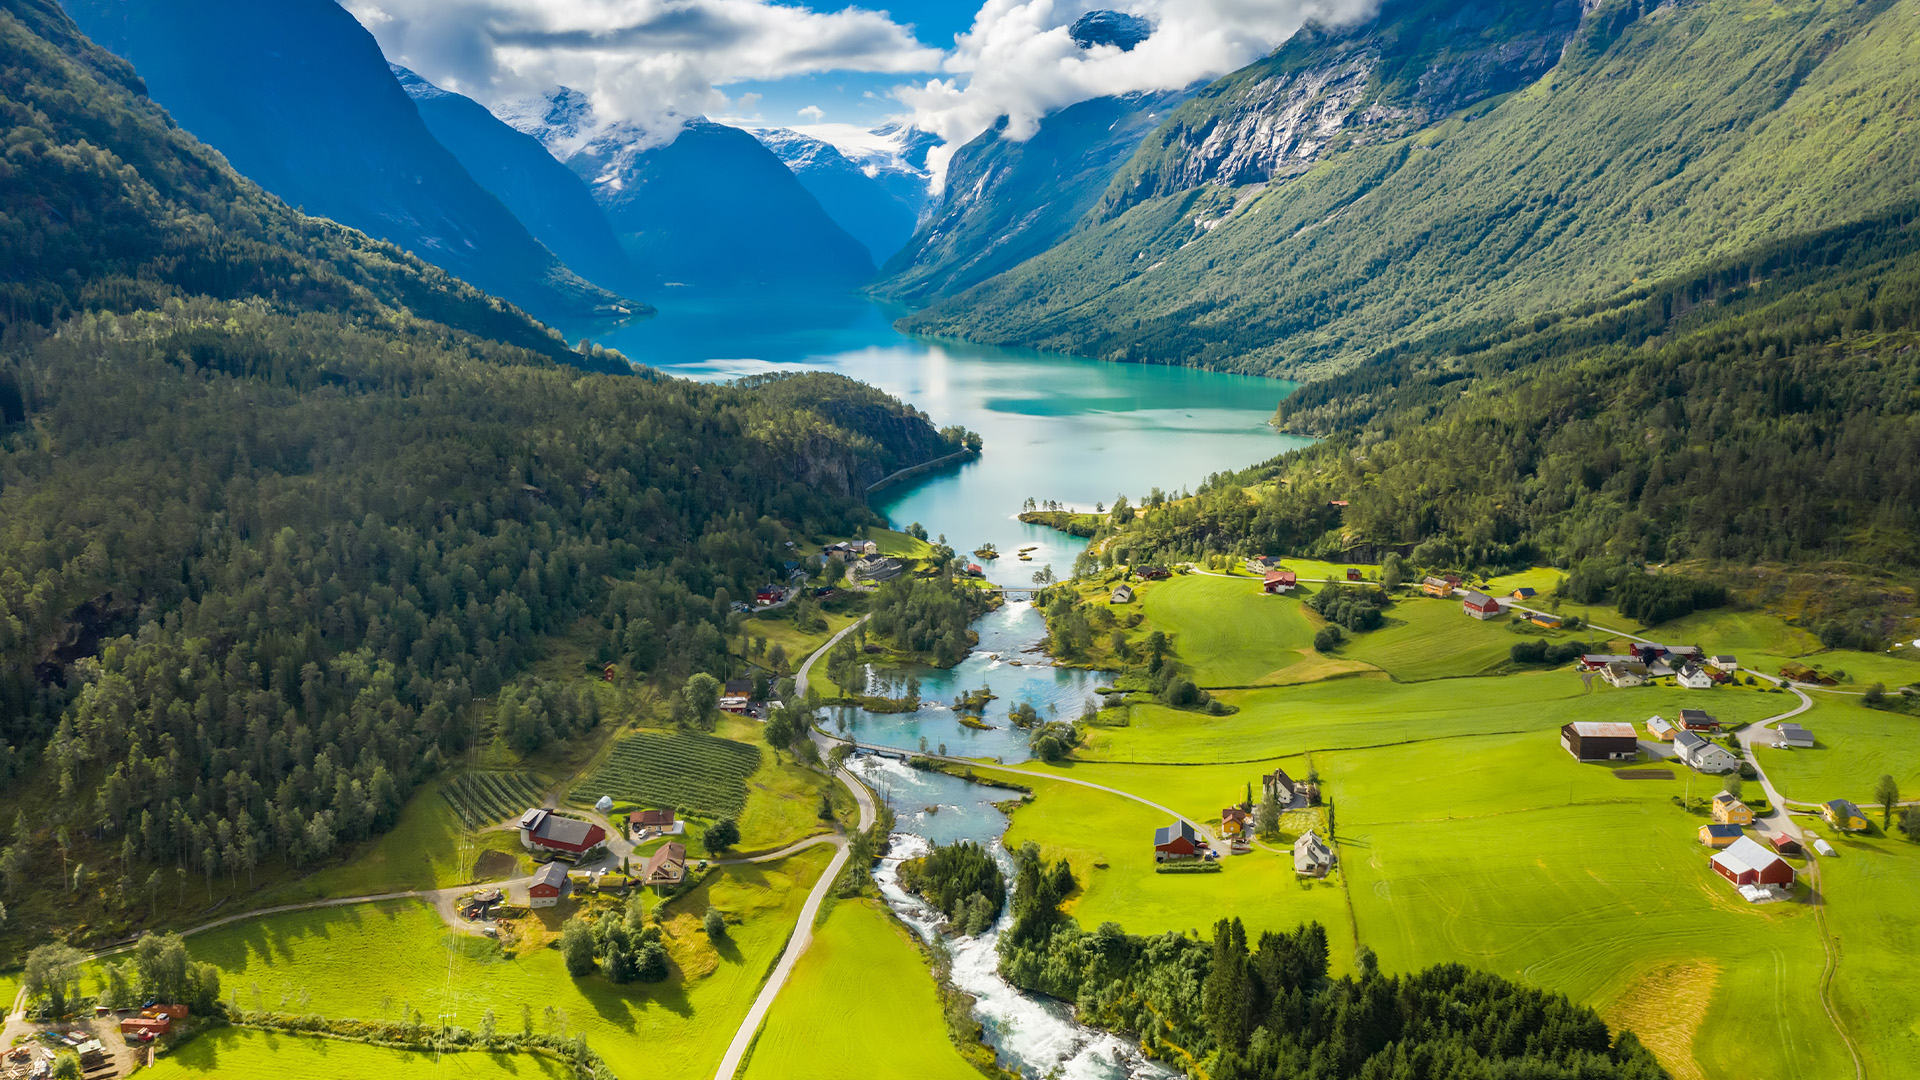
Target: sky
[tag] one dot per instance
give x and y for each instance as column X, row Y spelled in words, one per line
column 952, row 68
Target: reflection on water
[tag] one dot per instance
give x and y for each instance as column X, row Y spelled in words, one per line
column 1008, row 662
column 1056, row 427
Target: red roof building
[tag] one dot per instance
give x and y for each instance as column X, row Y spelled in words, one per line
column 1279, row 581
column 1784, row 844
column 544, row 830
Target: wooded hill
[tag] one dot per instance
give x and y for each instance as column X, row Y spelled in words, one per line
column 278, row 504
column 1287, row 222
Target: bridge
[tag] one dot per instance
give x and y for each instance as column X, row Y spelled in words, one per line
column 1013, row 592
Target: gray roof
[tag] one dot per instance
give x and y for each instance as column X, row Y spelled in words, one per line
column 563, row 830
column 1687, row 740
column 1476, row 599
column 552, row 873
column 1166, row 833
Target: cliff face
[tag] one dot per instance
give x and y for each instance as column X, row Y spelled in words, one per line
column 1332, row 89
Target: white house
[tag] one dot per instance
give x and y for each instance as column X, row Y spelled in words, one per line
column 1622, row 674
column 1693, row 678
column 1311, row 855
column 1796, row 737
column 1724, row 663
column 1702, row 755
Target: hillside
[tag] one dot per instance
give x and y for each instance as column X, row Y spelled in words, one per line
column 1007, row 201
column 1364, row 186
column 267, row 533
column 711, row 207
column 873, row 214
column 299, row 99
column 546, row 196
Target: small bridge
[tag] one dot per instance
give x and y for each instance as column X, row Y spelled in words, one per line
column 1013, row 592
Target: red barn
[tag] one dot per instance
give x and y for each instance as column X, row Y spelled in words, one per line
column 1480, row 605
column 1279, row 581
column 543, row 830
column 1176, row 841
column 1745, row 862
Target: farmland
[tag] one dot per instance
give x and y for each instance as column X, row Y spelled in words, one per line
column 371, row 960
column 1854, row 746
column 241, row 1052
column 1875, row 910
column 689, row 772
column 485, row 798
column 860, row 958
column 1229, row 633
column 1432, row 639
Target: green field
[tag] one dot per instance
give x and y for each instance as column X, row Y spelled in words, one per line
column 685, row 771
column 1089, row 828
column 370, row 960
column 862, row 975
column 421, row 851
column 1432, row 639
column 1226, row 631
column 1874, row 916
column 228, row 1052
column 1853, row 747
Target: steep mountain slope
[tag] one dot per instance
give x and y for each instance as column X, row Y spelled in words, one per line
column 548, row 198
column 298, row 97
column 712, row 207
column 876, row 216
column 1657, row 139
column 270, row 541
column 1006, row 201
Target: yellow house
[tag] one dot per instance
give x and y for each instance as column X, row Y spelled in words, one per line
column 1235, row 823
column 1728, row 810
column 1719, row 836
column 1842, row 814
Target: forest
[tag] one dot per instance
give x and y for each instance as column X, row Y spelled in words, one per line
column 1268, row 1010
column 269, row 541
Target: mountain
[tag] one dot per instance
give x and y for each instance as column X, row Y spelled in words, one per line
column 546, row 196
column 298, row 97
column 708, row 205
column 859, row 203
column 285, row 508
column 1420, row 172
column 1114, row 28
column 1006, row 200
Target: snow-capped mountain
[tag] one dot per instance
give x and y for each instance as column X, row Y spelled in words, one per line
column 862, row 182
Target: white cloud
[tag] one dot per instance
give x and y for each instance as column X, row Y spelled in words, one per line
column 1019, row 61
column 812, row 114
column 648, row 61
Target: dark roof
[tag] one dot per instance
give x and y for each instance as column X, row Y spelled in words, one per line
column 1696, row 714
column 1842, row 806
column 670, row 853
column 1721, row 830
column 553, row 873
column 570, row 834
column 650, row 817
column 1166, row 833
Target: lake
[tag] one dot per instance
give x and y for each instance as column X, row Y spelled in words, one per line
column 1074, row 431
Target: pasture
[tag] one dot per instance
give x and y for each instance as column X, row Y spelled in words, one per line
column 421, row 851
column 862, row 965
column 1109, row 842
column 372, row 960
column 1226, row 631
column 242, row 1052
column 1874, row 915
column 1427, row 638
column 1853, row 747
column 687, row 771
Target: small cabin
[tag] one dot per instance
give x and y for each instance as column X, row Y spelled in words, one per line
column 1122, row 594
column 1353, row 573
column 1279, row 581
column 1842, row 814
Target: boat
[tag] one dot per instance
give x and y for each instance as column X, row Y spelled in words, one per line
column 1024, row 557
column 985, row 553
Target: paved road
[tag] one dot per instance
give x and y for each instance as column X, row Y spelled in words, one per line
column 806, row 669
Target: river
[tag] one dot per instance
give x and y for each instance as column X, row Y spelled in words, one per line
column 1075, row 431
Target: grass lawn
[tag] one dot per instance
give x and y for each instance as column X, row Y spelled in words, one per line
column 240, row 1052
column 1432, row 639
column 779, row 629
column 1090, row 828
column 862, row 965
column 1874, row 915
column 1226, row 631
column 1853, row 747
column 370, row 960
column 1356, row 712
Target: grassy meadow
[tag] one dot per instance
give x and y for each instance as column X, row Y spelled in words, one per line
column 241, row 1052
column 1874, row 916
column 862, row 966
column 372, row 960
column 1853, row 747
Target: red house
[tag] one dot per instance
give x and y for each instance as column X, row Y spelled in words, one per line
column 1177, row 841
column 1353, row 573
column 550, row 883
column 1745, row 862
column 543, row 830
column 1480, row 605
column 1279, row 581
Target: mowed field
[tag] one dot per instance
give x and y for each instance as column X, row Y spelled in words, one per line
column 1853, row 747
column 1874, row 915
column 234, row 1052
column 1228, row 632
column 862, row 966
column 371, row 960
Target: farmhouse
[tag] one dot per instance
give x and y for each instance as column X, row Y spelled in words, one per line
column 1728, row 810
column 1522, row 593
column 1719, row 836
column 1702, row 755
column 1724, row 663
column 1541, row 618
column 1796, row 737
column 646, row 822
column 1698, row 720
column 1598, row 661
column 1661, row 728
column 1588, row 740
column 1177, row 841
column 1621, row 674
column 1280, row 581
column 1153, row 573
column 666, row 867
column 1122, row 594
column 1752, row 867
column 1693, row 677
column 1353, row 573
column 1311, row 855
column 549, row 887
column 1842, row 814
column 1439, row 586
column 544, row 830
column 1234, row 822
column 1480, row 606
column 1279, row 786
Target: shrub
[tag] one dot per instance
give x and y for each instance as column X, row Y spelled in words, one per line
column 1328, row 639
